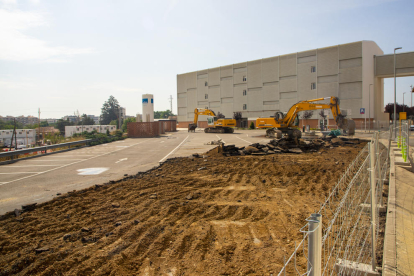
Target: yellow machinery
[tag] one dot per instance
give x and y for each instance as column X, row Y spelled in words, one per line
column 215, row 125
column 284, row 123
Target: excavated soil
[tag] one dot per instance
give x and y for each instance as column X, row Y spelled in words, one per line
column 191, row 216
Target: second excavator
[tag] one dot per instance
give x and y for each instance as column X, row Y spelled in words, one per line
column 285, row 122
column 215, row 125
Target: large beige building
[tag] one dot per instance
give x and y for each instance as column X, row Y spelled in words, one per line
column 259, row 88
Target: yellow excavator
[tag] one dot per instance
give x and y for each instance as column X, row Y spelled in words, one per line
column 215, row 125
column 285, row 122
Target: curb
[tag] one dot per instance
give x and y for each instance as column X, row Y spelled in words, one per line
column 389, row 265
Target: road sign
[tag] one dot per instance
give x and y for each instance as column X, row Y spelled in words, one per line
column 362, row 111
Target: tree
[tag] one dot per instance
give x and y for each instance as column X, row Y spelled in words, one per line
column 10, row 125
column 44, row 124
column 113, row 123
column 61, row 125
column 307, row 115
column 220, row 115
column 389, row 108
column 86, row 121
column 109, row 111
column 237, row 116
column 251, row 125
column 126, row 121
column 162, row 114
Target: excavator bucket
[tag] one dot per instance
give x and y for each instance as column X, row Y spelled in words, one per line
column 347, row 125
column 192, row 127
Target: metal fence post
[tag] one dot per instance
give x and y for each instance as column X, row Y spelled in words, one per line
column 373, row 203
column 315, row 245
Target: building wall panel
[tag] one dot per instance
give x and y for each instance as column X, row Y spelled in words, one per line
column 286, row 104
column 306, row 59
column 227, row 109
column 405, row 60
column 191, row 99
column 351, row 50
column 254, row 99
column 239, row 98
column 181, row 84
column 254, row 73
column 182, row 101
column 327, row 61
column 304, row 80
column 326, row 79
column 271, row 93
column 214, row 76
column 240, row 65
column 202, row 89
column 288, row 84
column 350, row 74
column 271, row 106
column 349, row 63
column 270, row 69
column 353, row 106
column 327, row 89
column 226, row 71
column 384, row 65
column 226, row 87
column 238, row 77
column 191, row 80
column 350, row 90
column 307, row 53
column 214, row 94
column 287, row 65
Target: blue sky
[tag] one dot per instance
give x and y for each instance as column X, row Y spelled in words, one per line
column 64, row 56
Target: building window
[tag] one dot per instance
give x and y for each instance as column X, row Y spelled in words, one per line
column 206, row 83
column 313, row 86
column 245, row 107
column 313, row 69
column 244, row 92
column 244, row 78
column 206, row 96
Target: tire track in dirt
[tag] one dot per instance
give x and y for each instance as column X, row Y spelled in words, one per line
column 198, row 216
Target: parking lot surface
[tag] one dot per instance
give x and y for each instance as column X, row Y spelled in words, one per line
column 40, row 179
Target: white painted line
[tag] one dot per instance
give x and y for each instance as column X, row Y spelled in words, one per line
column 12, row 166
column 70, row 164
column 244, row 140
column 18, row 172
column 120, row 160
column 162, row 141
column 220, row 138
column 165, row 157
column 50, row 160
column 77, row 155
column 91, row 171
column 121, row 146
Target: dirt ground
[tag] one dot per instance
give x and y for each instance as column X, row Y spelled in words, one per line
column 191, row 216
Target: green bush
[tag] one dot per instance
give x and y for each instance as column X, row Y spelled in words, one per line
column 251, row 125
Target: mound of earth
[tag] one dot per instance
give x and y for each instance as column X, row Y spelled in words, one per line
column 191, row 216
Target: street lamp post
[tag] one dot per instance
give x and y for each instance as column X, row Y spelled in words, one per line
column 412, row 91
column 403, row 100
column 369, row 108
column 395, row 97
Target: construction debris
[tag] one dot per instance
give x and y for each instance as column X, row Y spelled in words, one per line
column 285, row 146
column 215, row 142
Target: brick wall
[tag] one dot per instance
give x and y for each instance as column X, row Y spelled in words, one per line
column 143, row 130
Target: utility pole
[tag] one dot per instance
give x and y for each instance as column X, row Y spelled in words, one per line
column 171, row 104
column 38, row 137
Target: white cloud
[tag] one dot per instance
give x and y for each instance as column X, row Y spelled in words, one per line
column 18, row 46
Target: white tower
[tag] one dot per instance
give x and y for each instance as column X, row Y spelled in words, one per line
column 148, row 108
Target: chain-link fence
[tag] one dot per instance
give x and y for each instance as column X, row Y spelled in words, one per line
column 403, row 139
column 341, row 238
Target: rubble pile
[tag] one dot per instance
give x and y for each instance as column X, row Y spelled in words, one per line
column 285, row 146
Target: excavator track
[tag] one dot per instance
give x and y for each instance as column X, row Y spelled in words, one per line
column 218, row 130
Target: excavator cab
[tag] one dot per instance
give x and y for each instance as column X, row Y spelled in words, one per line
column 211, row 120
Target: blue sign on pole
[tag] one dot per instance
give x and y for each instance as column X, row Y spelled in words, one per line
column 362, row 111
